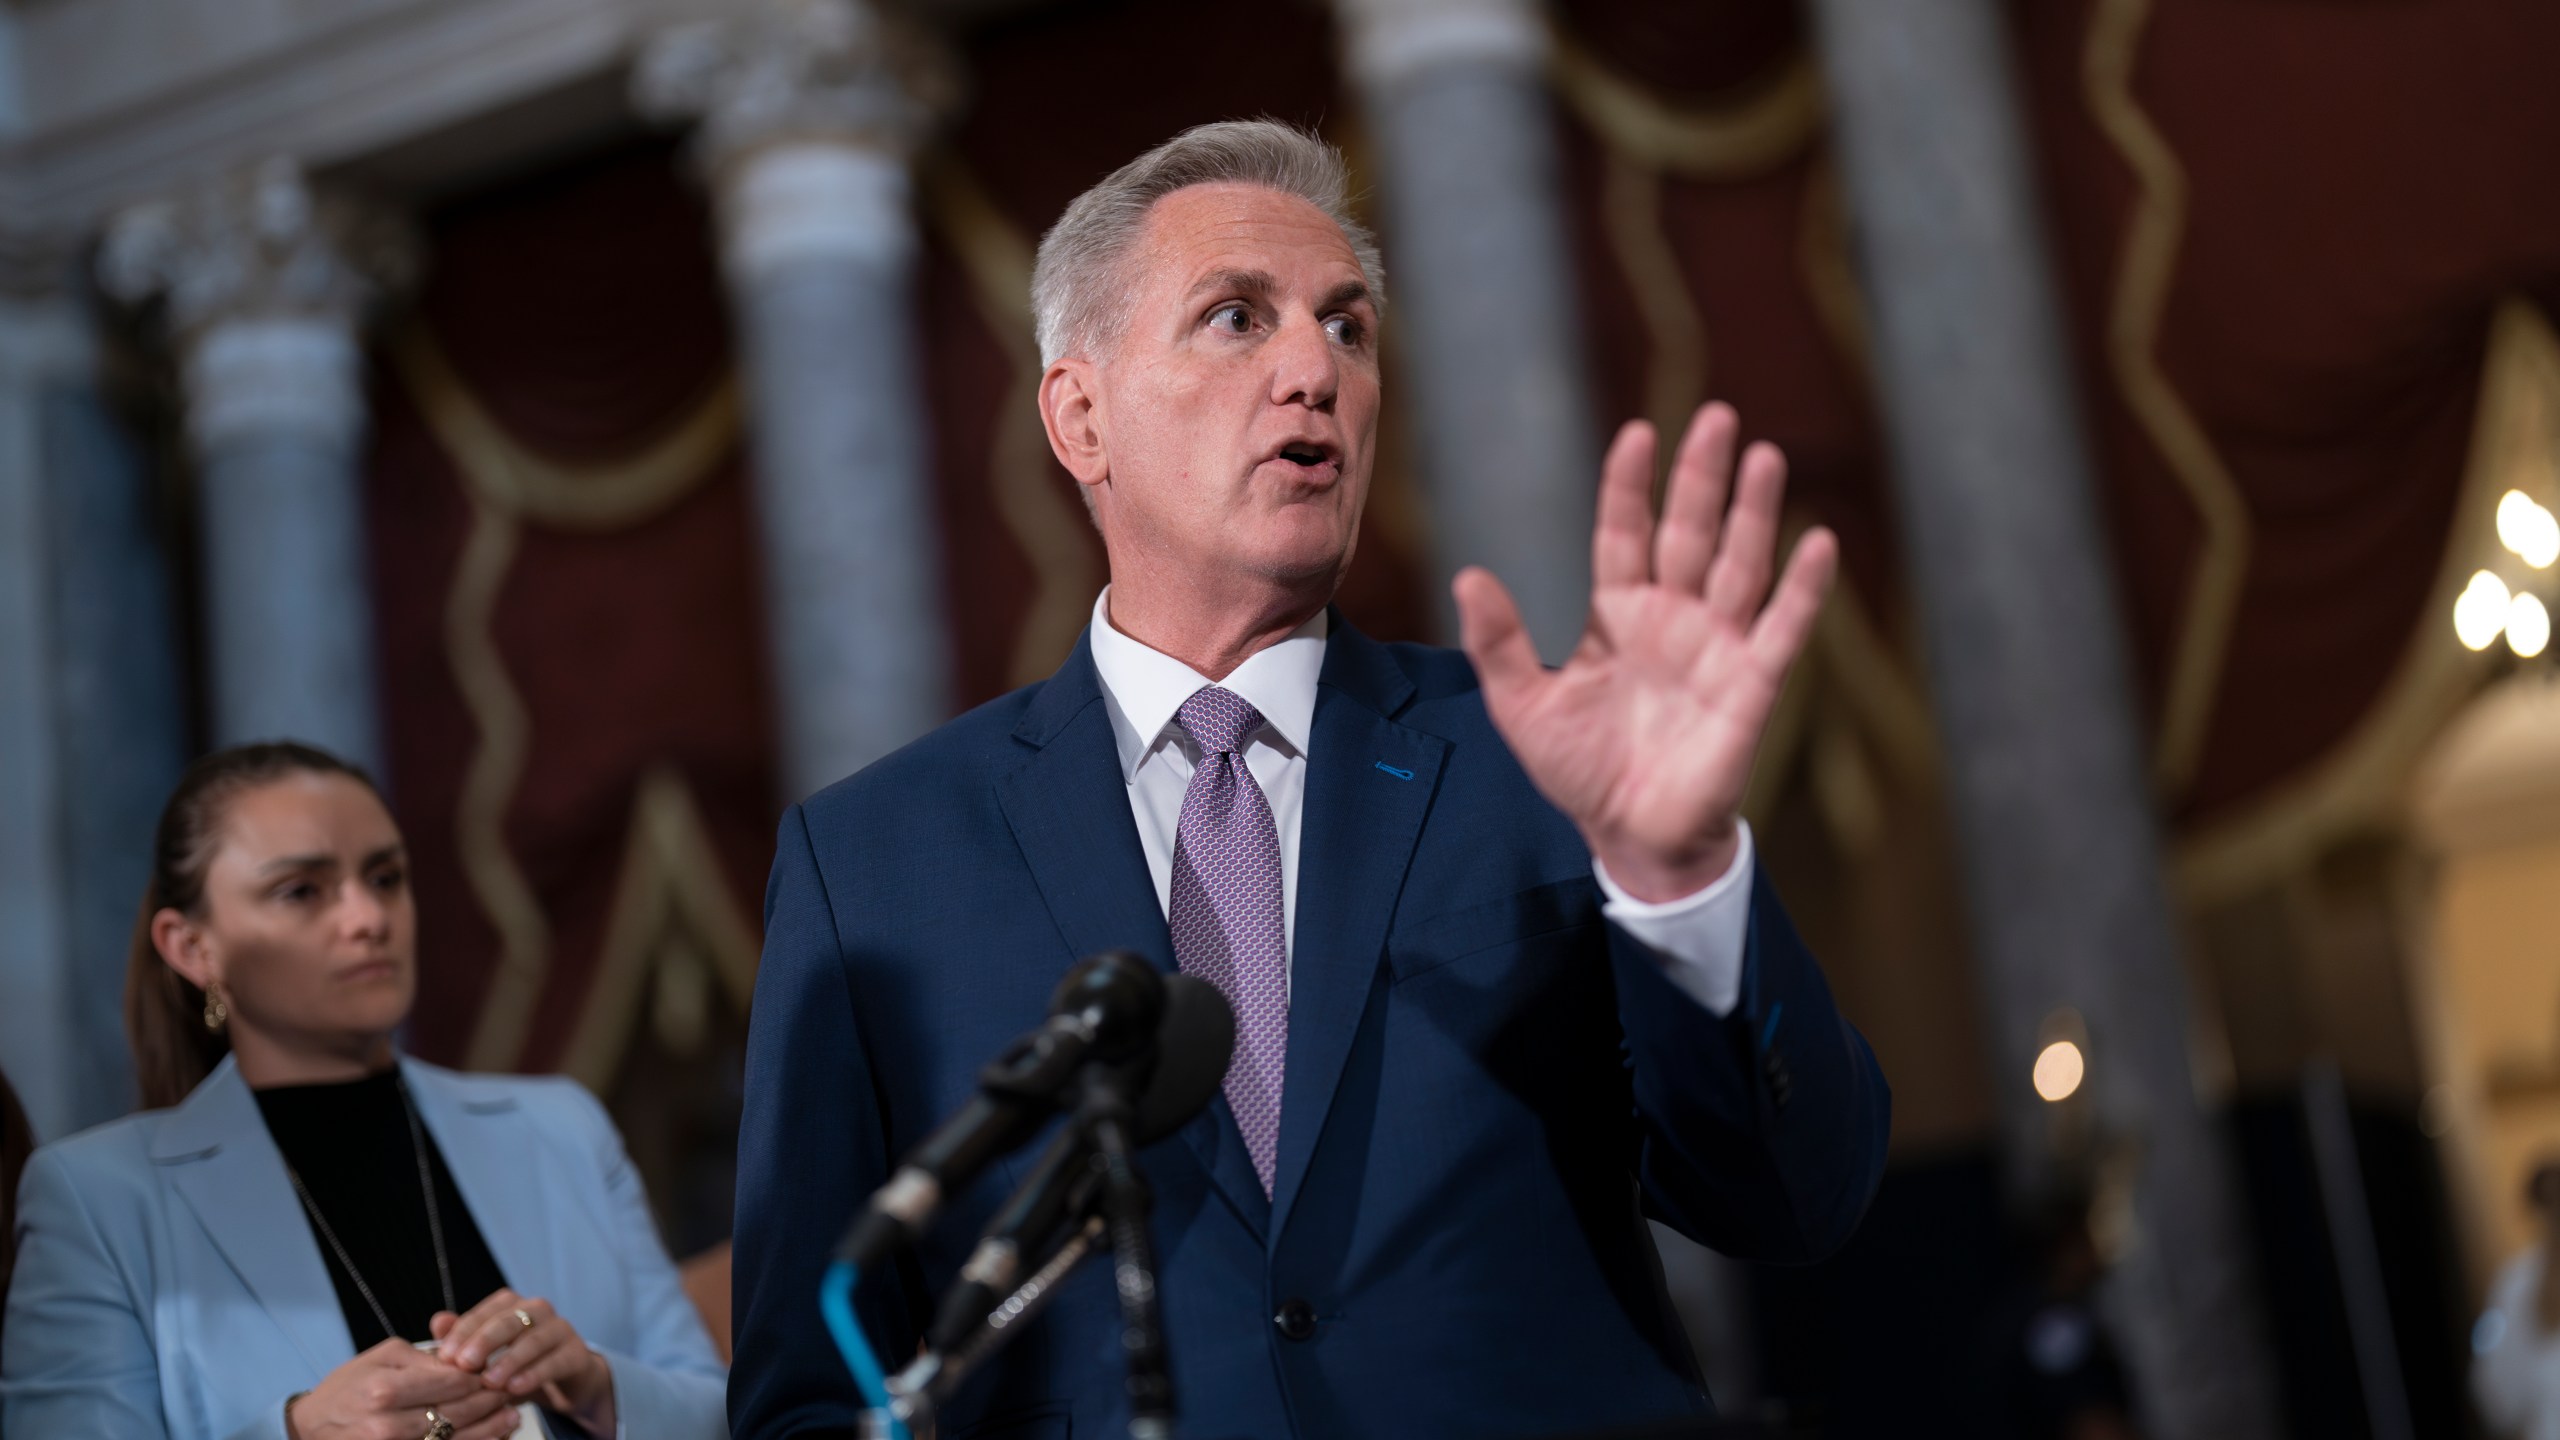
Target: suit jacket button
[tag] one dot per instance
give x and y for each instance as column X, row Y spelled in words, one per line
column 1297, row 1320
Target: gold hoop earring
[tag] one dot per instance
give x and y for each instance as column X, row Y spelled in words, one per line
column 215, row 1012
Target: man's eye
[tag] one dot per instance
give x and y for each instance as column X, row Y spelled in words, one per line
column 389, row 880
column 1234, row 319
column 298, row 892
column 1344, row 330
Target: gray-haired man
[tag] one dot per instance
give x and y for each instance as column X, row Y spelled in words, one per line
column 1506, row 975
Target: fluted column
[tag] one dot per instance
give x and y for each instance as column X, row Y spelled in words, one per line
column 92, row 731
column 2061, row 852
column 1454, row 101
column 808, row 111
column 264, row 284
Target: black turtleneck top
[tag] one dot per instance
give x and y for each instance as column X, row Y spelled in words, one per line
column 349, row 1141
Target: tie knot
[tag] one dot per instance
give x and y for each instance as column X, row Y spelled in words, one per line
column 1218, row 719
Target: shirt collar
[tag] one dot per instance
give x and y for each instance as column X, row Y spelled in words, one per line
column 1143, row 688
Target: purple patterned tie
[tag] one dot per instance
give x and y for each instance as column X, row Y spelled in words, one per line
column 1225, row 911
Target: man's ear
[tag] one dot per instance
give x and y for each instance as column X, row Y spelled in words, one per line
column 1071, row 411
column 182, row 947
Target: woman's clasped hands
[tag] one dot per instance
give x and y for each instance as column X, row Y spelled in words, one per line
column 505, row 1351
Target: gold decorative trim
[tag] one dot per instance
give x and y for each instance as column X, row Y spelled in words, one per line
column 605, row 495
column 1675, row 374
column 1760, row 130
column 508, row 484
column 2143, row 278
column 2363, row 781
column 1046, row 523
column 497, row 763
column 671, row 882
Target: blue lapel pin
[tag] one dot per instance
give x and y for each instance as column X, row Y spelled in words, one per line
column 1396, row 771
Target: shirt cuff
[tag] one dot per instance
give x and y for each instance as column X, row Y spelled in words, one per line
column 1698, row 938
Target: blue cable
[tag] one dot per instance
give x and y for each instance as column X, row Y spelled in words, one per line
column 835, row 1301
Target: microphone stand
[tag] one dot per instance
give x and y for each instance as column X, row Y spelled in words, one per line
column 1121, row 1204
column 1105, row 1110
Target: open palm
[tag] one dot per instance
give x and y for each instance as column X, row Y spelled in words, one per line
column 1645, row 736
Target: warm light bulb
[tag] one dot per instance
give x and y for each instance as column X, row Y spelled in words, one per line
column 2528, row 529
column 2541, row 540
column 2528, row 625
column 2058, row 1071
column 2482, row 611
column 2515, row 511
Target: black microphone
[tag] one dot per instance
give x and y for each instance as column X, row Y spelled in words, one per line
column 1106, row 1010
column 1194, row 1045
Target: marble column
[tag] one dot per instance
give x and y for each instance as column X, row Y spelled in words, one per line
column 264, row 284
column 92, row 723
column 808, row 111
column 1483, row 314
column 2061, row 850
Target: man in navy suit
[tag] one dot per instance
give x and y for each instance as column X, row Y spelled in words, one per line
column 1508, row 978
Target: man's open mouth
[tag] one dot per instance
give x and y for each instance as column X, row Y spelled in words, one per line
column 1306, row 455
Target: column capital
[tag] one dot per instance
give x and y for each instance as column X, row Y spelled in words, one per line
column 796, row 72
column 264, row 281
column 1385, row 41
column 256, row 243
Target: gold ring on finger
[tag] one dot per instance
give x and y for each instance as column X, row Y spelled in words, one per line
column 438, row 1427
column 524, row 1319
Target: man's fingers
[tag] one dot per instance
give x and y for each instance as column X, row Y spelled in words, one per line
column 1740, row 576
column 1693, row 511
column 1622, row 534
column 1778, row 636
column 1496, row 639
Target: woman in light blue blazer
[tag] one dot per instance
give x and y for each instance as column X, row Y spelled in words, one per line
column 264, row 1259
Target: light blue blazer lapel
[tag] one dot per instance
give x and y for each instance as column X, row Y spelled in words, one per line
column 1068, row 806
column 217, row 1154
column 497, row 1163
column 1370, row 782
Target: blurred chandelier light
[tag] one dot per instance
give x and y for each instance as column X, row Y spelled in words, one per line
column 2059, row 1069
column 2528, row 529
column 2528, row 625
column 2484, row 610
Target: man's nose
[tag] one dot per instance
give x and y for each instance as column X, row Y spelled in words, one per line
column 1306, row 366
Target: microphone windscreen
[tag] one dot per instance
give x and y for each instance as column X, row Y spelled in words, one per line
column 1119, row 997
column 1194, row 1044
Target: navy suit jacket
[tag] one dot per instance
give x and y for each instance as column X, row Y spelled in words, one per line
column 1489, row 1087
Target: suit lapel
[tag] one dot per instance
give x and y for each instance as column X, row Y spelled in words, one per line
column 1370, row 782
column 488, row 1144
column 1069, row 810
column 221, row 1160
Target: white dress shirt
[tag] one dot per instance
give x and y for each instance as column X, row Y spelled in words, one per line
column 1699, row 938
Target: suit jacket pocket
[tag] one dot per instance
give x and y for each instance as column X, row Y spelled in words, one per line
column 1426, row 945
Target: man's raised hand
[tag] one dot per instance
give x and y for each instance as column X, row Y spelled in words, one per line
column 1645, row 737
